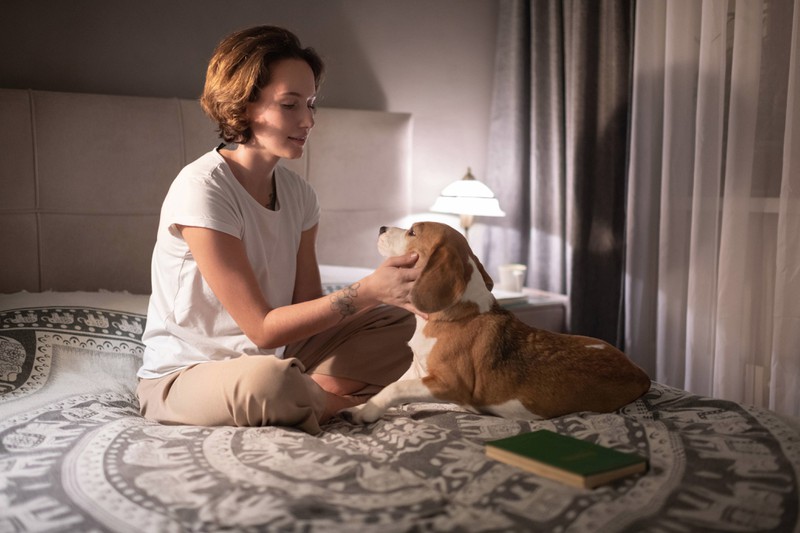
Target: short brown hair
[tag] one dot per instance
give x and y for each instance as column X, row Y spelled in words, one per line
column 240, row 68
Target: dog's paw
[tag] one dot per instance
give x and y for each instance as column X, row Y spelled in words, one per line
column 362, row 414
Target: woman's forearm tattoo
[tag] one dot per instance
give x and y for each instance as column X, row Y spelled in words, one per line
column 343, row 301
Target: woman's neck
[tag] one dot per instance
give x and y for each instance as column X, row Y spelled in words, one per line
column 254, row 171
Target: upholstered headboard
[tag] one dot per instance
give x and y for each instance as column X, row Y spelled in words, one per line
column 82, row 178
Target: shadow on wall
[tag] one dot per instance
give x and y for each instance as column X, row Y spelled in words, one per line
column 149, row 48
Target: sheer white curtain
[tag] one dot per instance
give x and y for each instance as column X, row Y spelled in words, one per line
column 712, row 289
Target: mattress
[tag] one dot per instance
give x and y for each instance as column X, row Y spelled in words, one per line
column 75, row 455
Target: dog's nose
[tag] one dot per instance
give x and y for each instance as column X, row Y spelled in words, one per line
column 382, row 230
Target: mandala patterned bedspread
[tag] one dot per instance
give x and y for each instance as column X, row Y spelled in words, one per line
column 76, row 456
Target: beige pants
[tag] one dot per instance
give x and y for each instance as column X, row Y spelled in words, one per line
column 262, row 390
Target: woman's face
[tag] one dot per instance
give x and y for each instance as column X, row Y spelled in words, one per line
column 283, row 115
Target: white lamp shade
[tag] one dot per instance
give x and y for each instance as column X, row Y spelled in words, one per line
column 468, row 197
column 485, row 207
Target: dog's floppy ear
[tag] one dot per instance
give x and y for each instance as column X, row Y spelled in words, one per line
column 441, row 282
column 487, row 279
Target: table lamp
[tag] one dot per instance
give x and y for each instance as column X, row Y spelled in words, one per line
column 468, row 197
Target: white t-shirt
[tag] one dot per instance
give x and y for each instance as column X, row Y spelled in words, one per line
column 186, row 323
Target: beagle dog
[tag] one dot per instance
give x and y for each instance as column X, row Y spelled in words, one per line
column 472, row 352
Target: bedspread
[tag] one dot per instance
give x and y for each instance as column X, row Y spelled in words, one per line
column 76, row 456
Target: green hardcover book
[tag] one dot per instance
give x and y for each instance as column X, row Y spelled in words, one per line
column 564, row 458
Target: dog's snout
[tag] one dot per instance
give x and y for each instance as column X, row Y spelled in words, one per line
column 382, row 230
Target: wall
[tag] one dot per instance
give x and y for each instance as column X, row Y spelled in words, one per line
column 432, row 58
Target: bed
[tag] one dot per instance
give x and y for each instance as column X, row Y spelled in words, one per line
column 79, row 199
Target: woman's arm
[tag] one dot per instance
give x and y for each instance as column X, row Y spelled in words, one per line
column 223, row 263
column 307, row 285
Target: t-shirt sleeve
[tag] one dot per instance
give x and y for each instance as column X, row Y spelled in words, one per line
column 303, row 199
column 312, row 211
column 201, row 202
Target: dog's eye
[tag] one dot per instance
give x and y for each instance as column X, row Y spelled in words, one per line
column 411, row 233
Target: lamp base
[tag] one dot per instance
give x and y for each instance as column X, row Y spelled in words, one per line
column 466, row 223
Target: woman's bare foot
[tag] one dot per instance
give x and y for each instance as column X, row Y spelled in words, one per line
column 340, row 393
column 338, row 386
column 335, row 403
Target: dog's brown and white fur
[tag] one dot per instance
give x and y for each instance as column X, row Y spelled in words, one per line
column 472, row 352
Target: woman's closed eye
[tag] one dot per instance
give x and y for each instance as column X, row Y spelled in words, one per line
column 312, row 105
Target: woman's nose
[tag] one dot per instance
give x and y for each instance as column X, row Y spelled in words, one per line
column 308, row 119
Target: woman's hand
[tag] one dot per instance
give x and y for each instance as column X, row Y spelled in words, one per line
column 391, row 283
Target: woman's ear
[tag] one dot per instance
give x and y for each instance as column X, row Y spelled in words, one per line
column 441, row 282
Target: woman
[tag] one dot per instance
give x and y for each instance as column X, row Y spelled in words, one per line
column 238, row 331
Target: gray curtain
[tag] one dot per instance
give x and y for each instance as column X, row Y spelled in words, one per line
column 557, row 152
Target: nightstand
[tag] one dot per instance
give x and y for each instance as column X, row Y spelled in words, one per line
column 540, row 309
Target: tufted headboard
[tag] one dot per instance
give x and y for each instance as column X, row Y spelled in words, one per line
column 82, row 178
